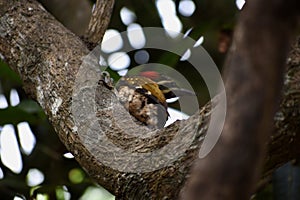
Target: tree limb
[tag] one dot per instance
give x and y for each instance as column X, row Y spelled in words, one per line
column 48, row 57
column 99, row 21
column 286, row 136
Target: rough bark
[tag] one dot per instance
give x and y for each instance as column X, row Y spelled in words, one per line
column 47, row 57
column 285, row 139
column 96, row 29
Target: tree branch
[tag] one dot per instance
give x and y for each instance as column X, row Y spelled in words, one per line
column 99, row 21
column 48, row 58
column 286, row 136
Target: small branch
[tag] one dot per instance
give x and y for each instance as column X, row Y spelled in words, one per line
column 99, row 21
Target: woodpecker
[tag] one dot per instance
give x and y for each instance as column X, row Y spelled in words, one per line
column 145, row 86
column 145, row 95
column 167, row 85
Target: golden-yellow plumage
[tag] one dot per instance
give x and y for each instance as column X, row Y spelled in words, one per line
column 147, row 84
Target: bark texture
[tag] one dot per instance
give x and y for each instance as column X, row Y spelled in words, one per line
column 48, row 58
column 97, row 27
column 285, row 139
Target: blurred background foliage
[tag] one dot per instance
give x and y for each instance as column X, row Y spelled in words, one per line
column 45, row 169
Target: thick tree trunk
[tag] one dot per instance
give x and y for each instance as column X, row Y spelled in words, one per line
column 48, row 57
